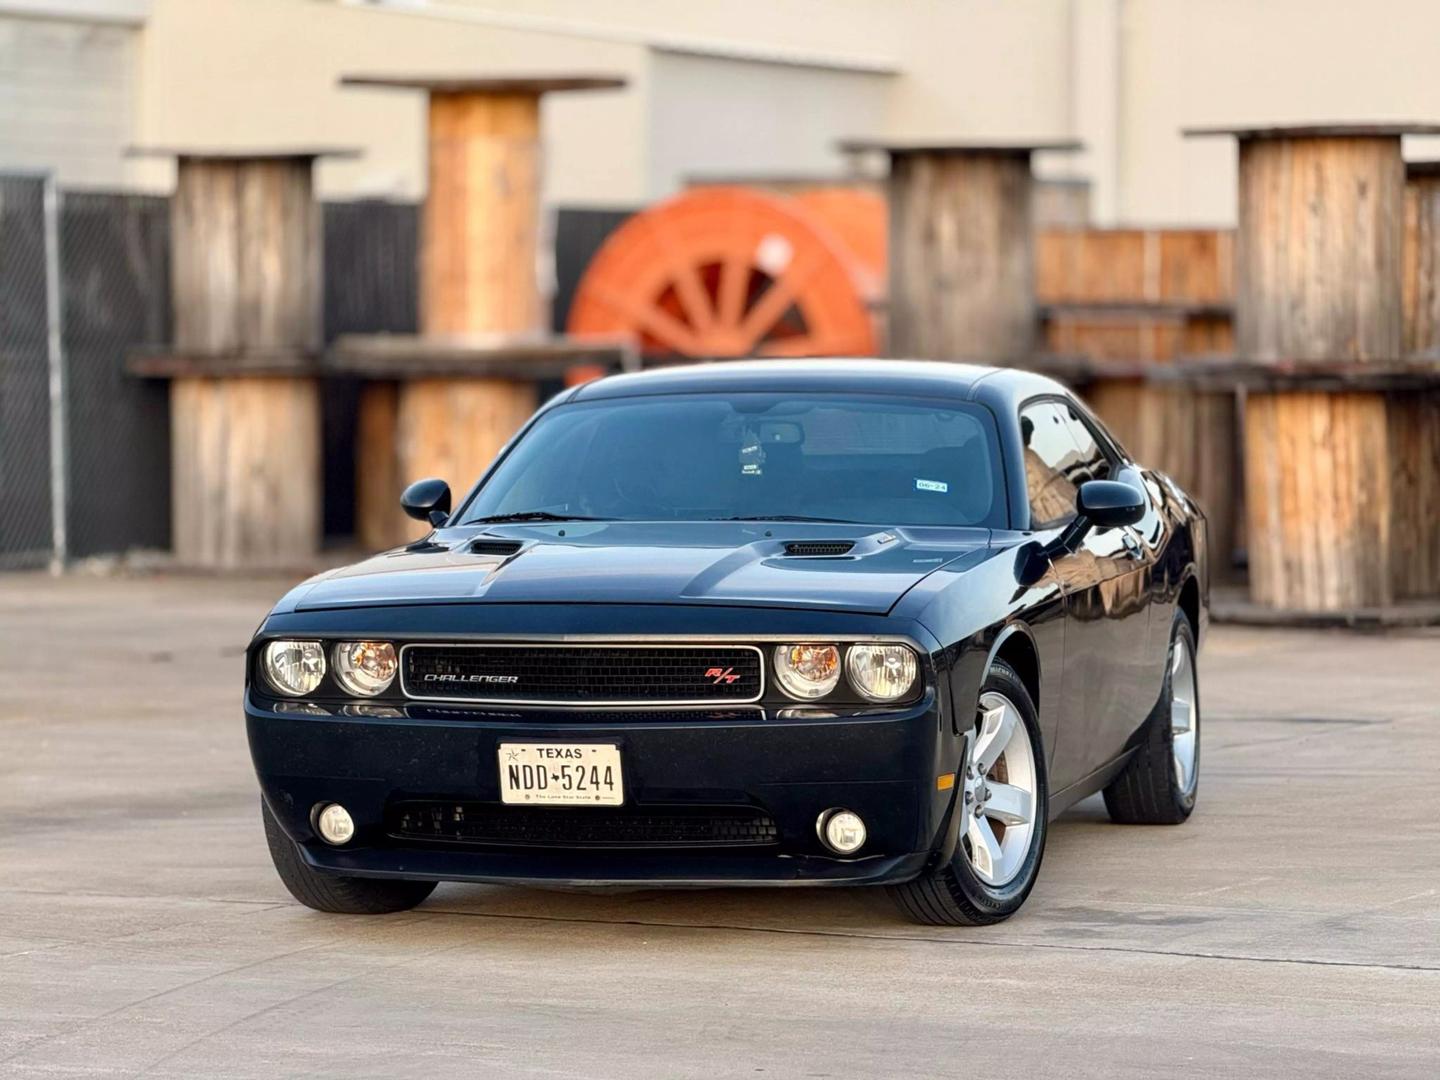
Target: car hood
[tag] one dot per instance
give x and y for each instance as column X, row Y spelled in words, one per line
column 639, row 563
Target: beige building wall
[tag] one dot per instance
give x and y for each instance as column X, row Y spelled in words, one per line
column 265, row 73
column 746, row 86
column 964, row 68
column 1223, row 62
column 714, row 116
column 759, row 86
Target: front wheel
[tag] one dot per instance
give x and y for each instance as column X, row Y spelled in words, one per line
column 1159, row 782
column 1002, row 800
column 332, row 892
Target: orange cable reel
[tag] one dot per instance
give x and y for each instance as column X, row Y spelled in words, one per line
column 725, row 272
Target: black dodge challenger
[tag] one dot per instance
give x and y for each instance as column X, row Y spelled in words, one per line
column 772, row 623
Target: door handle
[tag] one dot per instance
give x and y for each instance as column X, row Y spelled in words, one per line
column 1132, row 545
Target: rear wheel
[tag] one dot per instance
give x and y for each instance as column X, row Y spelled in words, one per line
column 332, row 892
column 1159, row 782
column 1003, row 802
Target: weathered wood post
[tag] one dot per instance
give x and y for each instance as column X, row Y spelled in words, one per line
column 962, row 249
column 1420, row 292
column 1320, row 326
column 478, row 276
column 244, row 400
column 1415, row 415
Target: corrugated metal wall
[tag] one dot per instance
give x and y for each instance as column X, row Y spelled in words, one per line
column 69, row 97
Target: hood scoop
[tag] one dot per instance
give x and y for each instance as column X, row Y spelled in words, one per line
column 486, row 545
column 818, row 549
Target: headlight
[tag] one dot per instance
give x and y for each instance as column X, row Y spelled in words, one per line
column 806, row 671
column 365, row 668
column 881, row 672
column 294, row 667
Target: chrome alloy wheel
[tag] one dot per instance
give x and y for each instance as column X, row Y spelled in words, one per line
column 1184, row 716
column 999, row 793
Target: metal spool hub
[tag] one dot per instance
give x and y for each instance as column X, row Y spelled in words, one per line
column 726, row 272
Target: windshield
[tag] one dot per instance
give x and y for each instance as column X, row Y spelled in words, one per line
column 830, row 457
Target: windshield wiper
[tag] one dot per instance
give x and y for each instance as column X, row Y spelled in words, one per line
column 788, row 517
column 532, row 515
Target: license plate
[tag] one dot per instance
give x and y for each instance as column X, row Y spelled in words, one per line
column 561, row 774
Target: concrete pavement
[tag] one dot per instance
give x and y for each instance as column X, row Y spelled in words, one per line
column 1292, row 928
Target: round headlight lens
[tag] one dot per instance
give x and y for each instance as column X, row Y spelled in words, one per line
column 365, row 668
column 882, row 672
column 294, row 667
column 806, row 671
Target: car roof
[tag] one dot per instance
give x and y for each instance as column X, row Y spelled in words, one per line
column 920, row 378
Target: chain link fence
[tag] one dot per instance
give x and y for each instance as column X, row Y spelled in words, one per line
column 115, row 295
column 26, row 525
column 84, row 448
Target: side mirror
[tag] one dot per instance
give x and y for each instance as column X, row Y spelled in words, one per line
column 1099, row 504
column 1108, row 504
column 427, row 501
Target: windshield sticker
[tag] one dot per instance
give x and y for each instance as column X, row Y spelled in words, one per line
column 931, row 485
column 752, row 458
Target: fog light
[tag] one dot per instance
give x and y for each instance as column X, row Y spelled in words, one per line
column 842, row 831
column 337, row 827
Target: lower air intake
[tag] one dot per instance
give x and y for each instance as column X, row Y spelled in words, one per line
column 518, row 826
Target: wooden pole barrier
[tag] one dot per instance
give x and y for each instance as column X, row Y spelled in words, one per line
column 245, row 413
column 1319, row 289
column 1318, row 247
column 1318, row 270
column 478, row 276
column 962, row 249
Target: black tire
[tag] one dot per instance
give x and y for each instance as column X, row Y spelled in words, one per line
column 332, row 892
column 953, row 895
column 1148, row 792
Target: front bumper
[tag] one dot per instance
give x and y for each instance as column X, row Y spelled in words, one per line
column 881, row 765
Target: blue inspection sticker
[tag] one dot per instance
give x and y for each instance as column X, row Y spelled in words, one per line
column 931, row 485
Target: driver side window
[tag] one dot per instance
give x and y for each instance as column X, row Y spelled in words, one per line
column 1093, row 464
column 1052, row 473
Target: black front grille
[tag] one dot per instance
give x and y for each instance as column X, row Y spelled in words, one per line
column 582, row 675
column 599, row 716
column 818, row 549
column 524, row 826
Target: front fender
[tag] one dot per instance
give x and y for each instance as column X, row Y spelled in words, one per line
column 976, row 611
